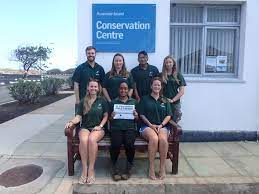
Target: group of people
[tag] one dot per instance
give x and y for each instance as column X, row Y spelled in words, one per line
column 155, row 95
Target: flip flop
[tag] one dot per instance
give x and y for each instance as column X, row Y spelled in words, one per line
column 153, row 177
column 90, row 180
column 82, row 180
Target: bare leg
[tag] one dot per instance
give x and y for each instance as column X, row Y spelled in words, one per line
column 152, row 138
column 83, row 136
column 94, row 137
column 163, row 148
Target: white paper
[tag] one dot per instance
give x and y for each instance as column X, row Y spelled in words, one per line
column 222, row 63
column 123, row 111
column 211, row 63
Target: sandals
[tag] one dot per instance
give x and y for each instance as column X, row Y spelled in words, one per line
column 82, row 180
column 152, row 177
column 90, row 180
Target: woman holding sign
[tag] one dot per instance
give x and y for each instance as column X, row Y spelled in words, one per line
column 92, row 112
column 155, row 113
column 123, row 130
column 114, row 77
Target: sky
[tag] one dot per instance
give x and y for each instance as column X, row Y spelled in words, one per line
column 49, row 23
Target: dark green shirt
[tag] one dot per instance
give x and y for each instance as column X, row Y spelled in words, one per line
column 122, row 124
column 154, row 110
column 171, row 88
column 112, row 84
column 95, row 115
column 143, row 77
column 84, row 72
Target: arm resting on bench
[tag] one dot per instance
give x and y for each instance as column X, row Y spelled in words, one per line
column 69, row 132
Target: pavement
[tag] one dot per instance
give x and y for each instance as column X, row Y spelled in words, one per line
column 38, row 138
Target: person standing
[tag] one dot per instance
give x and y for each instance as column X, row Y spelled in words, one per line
column 114, row 77
column 173, row 86
column 85, row 71
column 142, row 75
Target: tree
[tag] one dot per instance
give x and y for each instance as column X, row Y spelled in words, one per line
column 54, row 71
column 69, row 71
column 32, row 57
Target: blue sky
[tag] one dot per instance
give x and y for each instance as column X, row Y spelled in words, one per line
column 32, row 22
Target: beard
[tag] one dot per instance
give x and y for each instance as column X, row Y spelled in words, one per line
column 91, row 59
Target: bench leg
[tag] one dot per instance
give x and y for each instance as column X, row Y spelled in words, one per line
column 70, row 159
column 175, row 151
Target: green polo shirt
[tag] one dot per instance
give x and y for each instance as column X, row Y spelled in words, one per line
column 95, row 115
column 84, row 72
column 122, row 124
column 171, row 88
column 112, row 84
column 154, row 110
column 143, row 77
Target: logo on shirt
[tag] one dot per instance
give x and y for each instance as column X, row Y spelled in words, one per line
column 99, row 106
column 97, row 73
column 150, row 74
column 162, row 105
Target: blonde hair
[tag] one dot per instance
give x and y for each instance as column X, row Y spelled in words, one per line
column 174, row 70
column 123, row 71
column 87, row 105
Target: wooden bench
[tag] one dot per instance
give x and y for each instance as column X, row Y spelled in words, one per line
column 140, row 145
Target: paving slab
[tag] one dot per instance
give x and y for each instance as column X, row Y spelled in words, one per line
column 45, row 137
column 246, row 166
column 16, row 131
column 197, row 150
column 229, row 149
column 211, row 167
column 56, row 150
column 31, row 149
column 50, row 168
column 51, row 187
column 251, row 146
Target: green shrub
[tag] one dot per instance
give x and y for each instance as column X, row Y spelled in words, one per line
column 70, row 82
column 25, row 91
column 51, row 85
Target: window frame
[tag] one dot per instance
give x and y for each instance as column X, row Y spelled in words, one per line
column 205, row 25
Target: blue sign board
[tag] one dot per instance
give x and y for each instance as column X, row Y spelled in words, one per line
column 124, row 27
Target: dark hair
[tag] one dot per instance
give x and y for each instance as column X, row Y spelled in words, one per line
column 142, row 53
column 123, row 82
column 90, row 48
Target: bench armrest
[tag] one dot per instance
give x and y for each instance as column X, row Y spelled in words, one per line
column 69, row 132
column 175, row 130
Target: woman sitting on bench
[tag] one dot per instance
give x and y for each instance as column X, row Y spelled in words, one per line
column 123, row 131
column 93, row 114
column 155, row 113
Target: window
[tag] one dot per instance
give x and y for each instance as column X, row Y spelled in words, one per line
column 204, row 39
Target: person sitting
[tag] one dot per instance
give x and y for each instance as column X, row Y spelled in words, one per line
column 92, row 112
column 123, row 131
column 155, row 113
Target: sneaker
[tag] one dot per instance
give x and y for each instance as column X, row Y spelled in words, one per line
column 115, row 173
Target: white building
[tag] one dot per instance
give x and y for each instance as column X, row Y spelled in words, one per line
column 220, row 97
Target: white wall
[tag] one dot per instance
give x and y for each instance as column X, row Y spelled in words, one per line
column 215, row 104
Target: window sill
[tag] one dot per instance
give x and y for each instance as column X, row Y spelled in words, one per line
column 213, row 80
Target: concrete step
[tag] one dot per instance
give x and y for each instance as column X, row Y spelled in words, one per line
column 167, row 188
